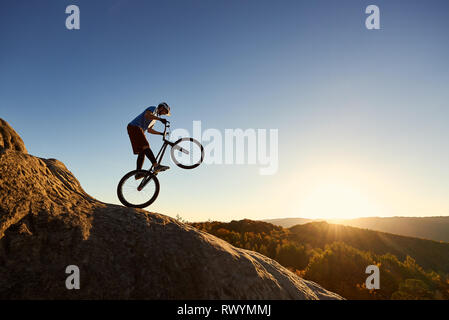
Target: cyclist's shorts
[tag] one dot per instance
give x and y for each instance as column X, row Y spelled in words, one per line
column 138, row 140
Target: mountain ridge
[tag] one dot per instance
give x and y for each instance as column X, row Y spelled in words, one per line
column 431, row 228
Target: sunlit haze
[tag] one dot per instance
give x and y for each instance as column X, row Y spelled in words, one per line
column 362, row 115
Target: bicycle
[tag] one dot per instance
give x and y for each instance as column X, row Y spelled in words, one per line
column 142, row 192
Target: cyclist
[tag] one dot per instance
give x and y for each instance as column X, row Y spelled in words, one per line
column 145, row 122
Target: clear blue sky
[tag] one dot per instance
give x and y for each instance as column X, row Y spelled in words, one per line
column 362, row 114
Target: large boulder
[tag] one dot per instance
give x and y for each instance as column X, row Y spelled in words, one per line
column 9, row 139
column 48, row 222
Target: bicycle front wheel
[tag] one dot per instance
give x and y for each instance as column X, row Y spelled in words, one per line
column 187, row 153
column 138, row 193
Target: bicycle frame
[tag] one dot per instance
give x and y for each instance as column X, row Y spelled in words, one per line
column 166, row 143
column 159, row 157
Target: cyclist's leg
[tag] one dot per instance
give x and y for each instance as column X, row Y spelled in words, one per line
column 139, row 143
column 140, row 160
column 156, row 167
column 150, row 155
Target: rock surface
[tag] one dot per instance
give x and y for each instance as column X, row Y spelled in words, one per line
column 9, row 139
column 48, row 222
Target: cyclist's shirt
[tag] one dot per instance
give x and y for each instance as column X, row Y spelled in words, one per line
column 141, row 121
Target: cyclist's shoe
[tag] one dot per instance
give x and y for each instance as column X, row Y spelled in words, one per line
column 139, row 176
column 160, row 168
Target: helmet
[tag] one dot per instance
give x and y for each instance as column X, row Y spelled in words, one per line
column 165, row 106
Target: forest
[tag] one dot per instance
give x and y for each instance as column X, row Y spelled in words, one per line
column 336, row 257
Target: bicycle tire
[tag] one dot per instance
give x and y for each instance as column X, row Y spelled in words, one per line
column 173, row 157
column 131, row 175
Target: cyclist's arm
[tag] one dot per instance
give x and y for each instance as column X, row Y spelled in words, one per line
column 151, row 130
column 150, row 116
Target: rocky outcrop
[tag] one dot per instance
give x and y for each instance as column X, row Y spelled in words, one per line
column 9, row 139
column 48, row 222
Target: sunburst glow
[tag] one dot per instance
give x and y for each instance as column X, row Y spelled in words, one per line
column 336, row 199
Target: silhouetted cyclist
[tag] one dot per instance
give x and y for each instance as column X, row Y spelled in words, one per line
column 136, row 128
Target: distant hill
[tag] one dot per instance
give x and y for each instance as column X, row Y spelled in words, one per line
column 434, row 228
column 289, row 222
column 428, row 253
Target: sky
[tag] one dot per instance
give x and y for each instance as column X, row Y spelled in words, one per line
column 362, row 115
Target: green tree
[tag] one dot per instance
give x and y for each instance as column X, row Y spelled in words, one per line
column 412, row 289
column 291, row 255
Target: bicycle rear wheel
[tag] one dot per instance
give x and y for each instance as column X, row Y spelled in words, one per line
column 138, row 193
column 187, row 153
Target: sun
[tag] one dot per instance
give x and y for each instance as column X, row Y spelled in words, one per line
column 336, row 200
